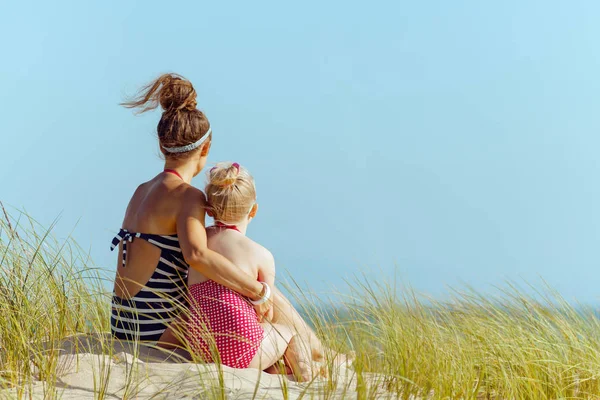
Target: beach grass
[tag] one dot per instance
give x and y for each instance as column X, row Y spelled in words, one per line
column 512, row 344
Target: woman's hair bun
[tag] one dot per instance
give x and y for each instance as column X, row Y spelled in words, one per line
column 173, row 92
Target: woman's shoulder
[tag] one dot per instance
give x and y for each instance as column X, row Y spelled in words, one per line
column 189, row 202
column 193, row 194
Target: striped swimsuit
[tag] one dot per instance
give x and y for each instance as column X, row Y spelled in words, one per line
column 147, row 315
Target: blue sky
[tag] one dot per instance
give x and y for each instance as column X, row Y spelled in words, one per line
column 445, row 142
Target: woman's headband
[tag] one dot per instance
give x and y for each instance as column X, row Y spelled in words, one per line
column 189, row 147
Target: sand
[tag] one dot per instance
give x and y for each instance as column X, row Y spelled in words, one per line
column 84, row 371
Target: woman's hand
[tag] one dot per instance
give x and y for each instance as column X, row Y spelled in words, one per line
column 264, row 310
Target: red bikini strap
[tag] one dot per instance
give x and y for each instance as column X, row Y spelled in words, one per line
column 222, row 225
column 172, row 171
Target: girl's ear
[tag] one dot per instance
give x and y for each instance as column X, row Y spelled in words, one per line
column 253, row 211
column 210, row 213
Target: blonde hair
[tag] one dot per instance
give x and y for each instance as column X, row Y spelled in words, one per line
column 230, row 192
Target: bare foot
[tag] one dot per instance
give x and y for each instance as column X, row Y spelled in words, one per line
column 279, row 368
column 298, row 357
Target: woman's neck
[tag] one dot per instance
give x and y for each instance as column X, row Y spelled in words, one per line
column 185, row 168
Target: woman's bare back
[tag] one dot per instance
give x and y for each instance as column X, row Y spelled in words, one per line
column 153, row 209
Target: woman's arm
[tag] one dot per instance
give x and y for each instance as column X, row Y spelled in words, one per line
column 193, row 242
column 266, row 273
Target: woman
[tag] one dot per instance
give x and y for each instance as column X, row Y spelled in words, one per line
column 163, row 232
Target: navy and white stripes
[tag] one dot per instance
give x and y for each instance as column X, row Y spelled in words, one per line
column 147, row 315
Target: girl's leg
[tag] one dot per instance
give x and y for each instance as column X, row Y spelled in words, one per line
column 273, row 346
column 299, row 358
column 284, row 313
column 280, row 341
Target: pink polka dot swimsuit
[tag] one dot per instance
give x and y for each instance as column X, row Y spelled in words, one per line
column 223, row 322
column 223, row 325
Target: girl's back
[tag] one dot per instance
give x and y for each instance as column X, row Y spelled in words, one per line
column 248, row 255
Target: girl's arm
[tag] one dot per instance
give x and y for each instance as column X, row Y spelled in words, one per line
column 193, row 242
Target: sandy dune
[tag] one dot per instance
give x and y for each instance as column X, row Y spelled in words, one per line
column 85, row 370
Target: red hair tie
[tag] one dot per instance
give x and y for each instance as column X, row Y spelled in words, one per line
column 235, row 165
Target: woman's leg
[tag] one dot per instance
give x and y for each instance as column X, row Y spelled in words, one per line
column 175, row 335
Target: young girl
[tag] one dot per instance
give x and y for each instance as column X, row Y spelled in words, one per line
column 222, row 323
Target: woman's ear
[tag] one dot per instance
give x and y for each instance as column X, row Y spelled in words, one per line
column 253, row 211
column 205, row 148
column 210, row 213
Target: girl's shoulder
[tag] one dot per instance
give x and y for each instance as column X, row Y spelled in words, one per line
column 254, row 250
column 261, row 254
